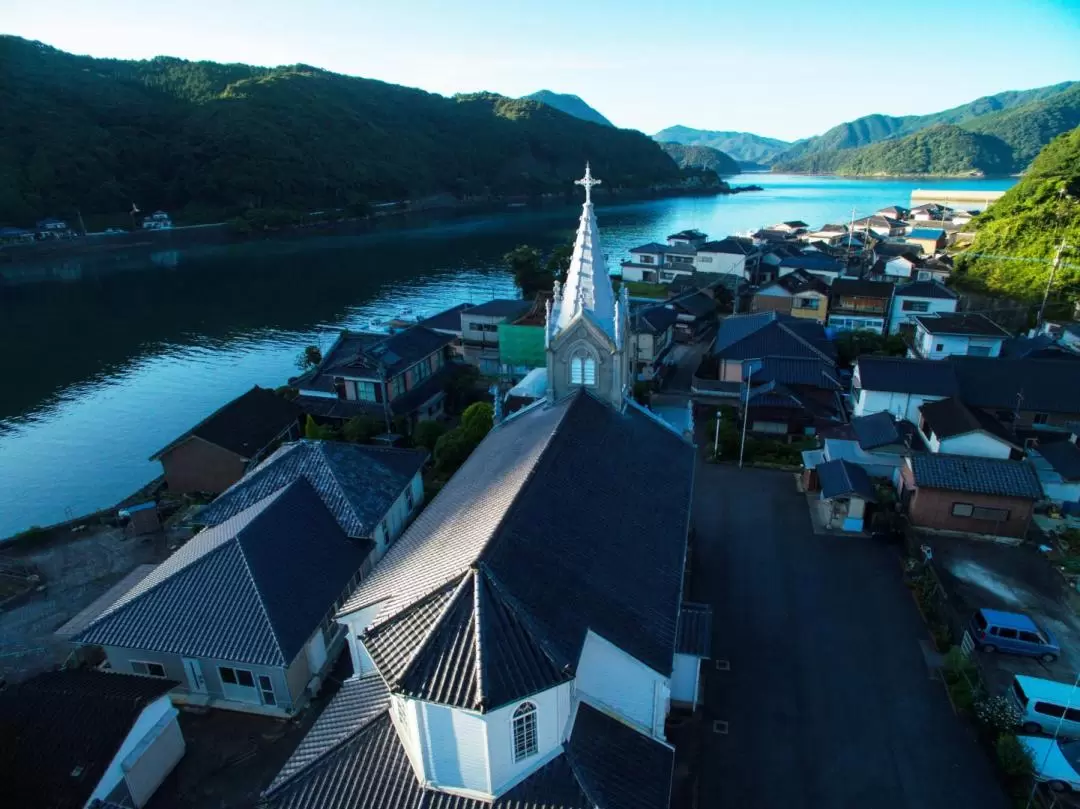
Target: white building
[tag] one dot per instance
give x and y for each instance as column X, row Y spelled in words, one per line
column 944, row 334
column 158, row 220
column 899, row 386
column 527, row 625
column 728, row 256
column 919, row 298
column 951, row 427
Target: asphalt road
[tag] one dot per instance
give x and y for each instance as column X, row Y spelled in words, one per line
column 829, row 702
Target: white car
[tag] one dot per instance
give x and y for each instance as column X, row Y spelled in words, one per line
column 1057, row 763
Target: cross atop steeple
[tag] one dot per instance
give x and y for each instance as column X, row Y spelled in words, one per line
column 588, row 182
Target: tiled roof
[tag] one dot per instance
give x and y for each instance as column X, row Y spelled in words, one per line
column 251, row 589
column 813, row 262
column 840, row 478
column 358, row 701
column 903, row 375
column 771, row 334
column 796, row 371
column 894, row 249
column 1040, row 385
column 244, row 426
column 728, row 246
column 364, row 355
column 925, row 289
column 501, row 307
column 876, row 430
column 799, row 281
column 963, row 323
column 560, row 551
column 695, row 630
column 65, row 722
column 926, row 233
column 977, row 475
column 692, row 233
column 651, row 247
column 358, row 483
column 654, row 319
column 1064, row 457
column 697, row 304
column 862, row 289
column 448, row 320
column 950, row 417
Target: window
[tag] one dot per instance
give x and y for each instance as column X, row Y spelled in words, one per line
column 525, row 743
column 266, row 688
column 705, row 259
column 493, row 327
column 1047, row 709
column 1004, row 632
column 1040, row 418
column 147, row 669
column 962, row 509
column 915, row 306
column 995, row 514
column 422, row 370
column 582, row 370
column 939, row 347
column 365, row 391
column 397, row 385
column 1031, row 637
column 232, row 676
column 647, row 260
column 807, row 303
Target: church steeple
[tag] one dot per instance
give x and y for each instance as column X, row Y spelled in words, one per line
column 587, row 290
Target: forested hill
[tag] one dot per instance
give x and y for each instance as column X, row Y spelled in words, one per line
column 745, row 147
column 570, row 104
column 701, row 157
column 1029, row 222
column 208, row 140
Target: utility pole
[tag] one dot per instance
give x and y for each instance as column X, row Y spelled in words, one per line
column 745, row 415
column 1050, row 282
column 716, row 438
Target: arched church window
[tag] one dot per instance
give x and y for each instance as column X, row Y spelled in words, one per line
column 582, row 370
column 525, row 741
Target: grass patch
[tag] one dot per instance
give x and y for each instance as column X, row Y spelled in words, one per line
column 643, row 289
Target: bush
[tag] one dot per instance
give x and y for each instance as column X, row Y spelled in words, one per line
column 361, row 429
column 1015, row 760
column 997, row 716
column 451, row 450
column 427, row 434
column 477, row 421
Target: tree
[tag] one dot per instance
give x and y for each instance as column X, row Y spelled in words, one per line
column 451, row 450
column 309, row 358
column 312, row 429
column 477, row 420
column 361, row 429
column 850, row 345
column 427, row 434
column 558, row 262
column 530, row 277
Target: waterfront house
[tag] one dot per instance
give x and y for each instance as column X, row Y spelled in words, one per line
column 919, row 298
column 829, row 234
column 480, row 331
column 16, row 236
column 930, row 212
column 896, row 212
column 947, row 334
column 856, row 305
column 241, row 615
column 730, row 256
column 158, row 220
column 78, row 738
column 889, row 250
column 767, row 236
column 928, row 240
column 373, row 491
column 950, row 426
column 824, row 267
column 448, row 321
column 381, row 376
column 652, row 335
column 969, row 495
column 528, row 625
column 798, row 293
column 216, row 452
column 659, row 263
column 693, row 238
column 883, row 227
column 795, row 227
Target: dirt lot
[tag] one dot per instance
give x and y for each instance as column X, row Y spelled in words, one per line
column 76, row 568
column 978, row 573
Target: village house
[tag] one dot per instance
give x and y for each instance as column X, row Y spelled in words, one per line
column 826, row 268
column 381, row 376
column 947, row 334
column 878, row 443
column 848, row 490
column 1057, row 464
column 856, row 305
column 767, row 236
column 692, row 237
column 220, row 449
column 896, row 269
column 935, row 268
column 883, row 227
column 895, row 212
column 480, row 332
column 930, row 212
column 954, row 428
column 899, row 386
column 794, row 227
column 829, row 234
column 448, row 321
column 889, row 250
column 919, row 298
column 969, row 495
column 659, row 263
column 730, row 256
column 652, row 334
column 530, row 646
column 695, row 313
column 158, row 220
column 798, row 294
column 770, row 257
column 928, row 240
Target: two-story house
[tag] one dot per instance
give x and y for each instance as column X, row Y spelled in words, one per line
column 897, row 212
column 826, row 268
column 856, row 305
column 692, row 237
column 798, row 294
column 883, row 227
column 829, row 234
column 919, row 298
column 659, row 263
column 730, row 256
column 652, row 334
column 480, row 331
column 949, row 334
column 950, row 426
column 928, row 240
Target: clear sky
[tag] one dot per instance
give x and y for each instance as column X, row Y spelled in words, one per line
column 785, row 68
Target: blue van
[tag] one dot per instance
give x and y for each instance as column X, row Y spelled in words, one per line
column 996, row 631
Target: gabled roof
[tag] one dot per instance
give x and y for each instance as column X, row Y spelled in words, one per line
column 650, row 247
column 731, row 245
column 1063, row 457
column 859, row 288
column 654, row 319
column 364, row 355
column 560, row 551
column 894, row 249
column 815, row 262
column 950, row 417
column 811, row 371
column 926, row 233
column 448, row 320
column 766, row 334
column 245, row 426
column 358, row 483
column 61, row 723
column 501, row 307
column 692, row 233
column 962, row 473
column 697, row 304
column 903, row 375
column 251, row 589
column 876, row 430
column 925, row 289
column 960, row 323
column 695, row 629
column 767, row 235
column 1039, row 385
column 840, row 478
column 795, row 223
column 799, row 281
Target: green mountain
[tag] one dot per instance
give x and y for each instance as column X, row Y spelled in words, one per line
column 742, row 146
column 207, row 140
column 701, row 157
column 570, row 104
column 1030, row 221
column 1028, row 128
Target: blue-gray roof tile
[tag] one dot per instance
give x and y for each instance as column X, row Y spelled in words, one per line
column 961, row 473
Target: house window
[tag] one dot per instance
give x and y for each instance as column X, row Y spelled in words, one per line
column 365, row 391
column 1040, row 418
column 647, row 260
column 939, row 347
column 583, row 370
column 231, row 676
column 915, row 306
column 807, row 303
column 705, row 259
column 962, row 509
column 422, row 370
column 147, row 669
column 397, row 385
column 980, row 512
column 266, row 688
column 525, row 742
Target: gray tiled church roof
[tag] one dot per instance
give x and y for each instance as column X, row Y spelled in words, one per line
column 357, row 482
column 567, row 526
column 251, row 589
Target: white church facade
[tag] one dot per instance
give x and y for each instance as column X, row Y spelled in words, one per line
column 519, row 645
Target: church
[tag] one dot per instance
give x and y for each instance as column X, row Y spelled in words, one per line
column 519, row 645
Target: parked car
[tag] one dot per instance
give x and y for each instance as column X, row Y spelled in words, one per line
column 1046, row 706
column 997, row 631
column 1057, row 763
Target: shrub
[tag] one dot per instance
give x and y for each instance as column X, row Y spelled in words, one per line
column 361, row 429
column 1014, row 759
column 427, row 433
column 997, row 716
column 477, row 420
column 942, row 636
column 451, row 450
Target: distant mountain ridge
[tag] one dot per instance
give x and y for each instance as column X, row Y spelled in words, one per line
column 570, row 104
column 744, row 147
column 701, row 157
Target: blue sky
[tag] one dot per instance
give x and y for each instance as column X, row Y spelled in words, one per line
column 786, row 68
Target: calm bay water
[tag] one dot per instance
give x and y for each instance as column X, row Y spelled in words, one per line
column 114, row 356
